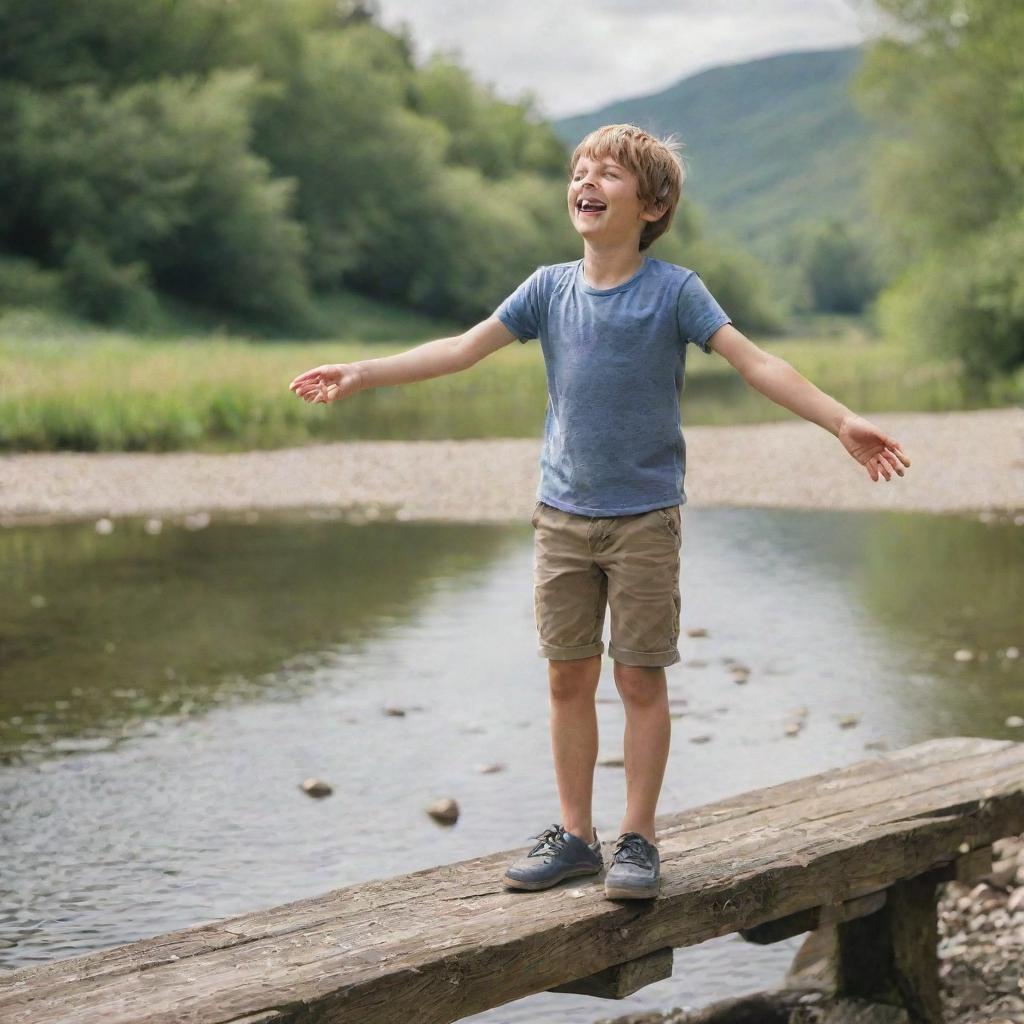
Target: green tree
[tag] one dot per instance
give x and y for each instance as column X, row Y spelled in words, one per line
column 157, row 180
column 237, row 154
column 50, row 44
column 498, row 138
column 835, row 269
column 948, row 175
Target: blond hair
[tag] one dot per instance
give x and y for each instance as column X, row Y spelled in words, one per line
column 656, row 163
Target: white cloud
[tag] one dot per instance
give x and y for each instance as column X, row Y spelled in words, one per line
column 580, row 54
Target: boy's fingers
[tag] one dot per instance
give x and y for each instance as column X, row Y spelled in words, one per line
column 878, row 466
column 308, row 375
column 893, row 462
column 894, row 446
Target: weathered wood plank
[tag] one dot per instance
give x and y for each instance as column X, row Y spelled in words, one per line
column 890, row 957
column 440, row 944
column 815, row 917
column 971, row 866
column 966, row 868
column 348, row 907
column 814, row 965
column 621, row 980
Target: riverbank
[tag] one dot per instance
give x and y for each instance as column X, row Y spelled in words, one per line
column 961, row 462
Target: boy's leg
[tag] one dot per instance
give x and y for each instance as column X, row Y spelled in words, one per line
column 646, row 742
column 574, row 739
column 570, row 596
column 642, row 559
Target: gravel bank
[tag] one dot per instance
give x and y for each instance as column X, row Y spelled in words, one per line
column 961, row 462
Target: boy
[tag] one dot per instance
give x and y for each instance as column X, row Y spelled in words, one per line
column 613, row 327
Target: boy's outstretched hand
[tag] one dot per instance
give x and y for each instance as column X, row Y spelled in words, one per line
column 327, row 383
column 872, row 447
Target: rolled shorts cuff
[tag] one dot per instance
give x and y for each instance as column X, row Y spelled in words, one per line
column 642, row 659
column 568, row 653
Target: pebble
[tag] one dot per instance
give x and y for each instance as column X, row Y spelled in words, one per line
column 445, row 811
column 316, row 787
column 981, row 947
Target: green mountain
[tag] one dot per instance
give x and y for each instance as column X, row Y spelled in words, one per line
column 767, row 144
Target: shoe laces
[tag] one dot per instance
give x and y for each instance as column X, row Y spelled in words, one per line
column 631, row 848
column 552, row 840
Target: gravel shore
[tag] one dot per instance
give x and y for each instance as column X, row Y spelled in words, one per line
column 960, row 462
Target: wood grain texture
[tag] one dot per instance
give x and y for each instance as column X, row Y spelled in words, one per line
column 623, row 980
column 443, row 943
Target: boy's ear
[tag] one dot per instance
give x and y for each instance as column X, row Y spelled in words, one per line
column 654, row 211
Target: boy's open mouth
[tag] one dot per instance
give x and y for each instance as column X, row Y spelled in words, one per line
column 590, row 206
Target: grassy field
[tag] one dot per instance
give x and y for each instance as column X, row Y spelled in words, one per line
column 64, row 386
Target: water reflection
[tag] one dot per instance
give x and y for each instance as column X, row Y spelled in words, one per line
column 99, row 635
column 161, row 698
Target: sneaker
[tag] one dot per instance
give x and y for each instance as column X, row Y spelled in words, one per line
column 557, row 855
column 636, row 869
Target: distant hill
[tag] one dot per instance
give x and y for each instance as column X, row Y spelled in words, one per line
column 768, row 143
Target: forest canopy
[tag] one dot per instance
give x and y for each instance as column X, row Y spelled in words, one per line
column 245, row 156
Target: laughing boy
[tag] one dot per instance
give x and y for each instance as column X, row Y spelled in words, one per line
column 614, row 328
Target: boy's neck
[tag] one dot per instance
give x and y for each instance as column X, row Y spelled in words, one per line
column 608, row 266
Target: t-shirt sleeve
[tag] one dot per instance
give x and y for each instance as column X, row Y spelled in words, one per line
column 521, row 311
column 700, row 315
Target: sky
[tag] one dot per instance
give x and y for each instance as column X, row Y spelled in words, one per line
column 578, row 55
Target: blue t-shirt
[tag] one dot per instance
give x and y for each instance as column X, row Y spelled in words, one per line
column 615, row 360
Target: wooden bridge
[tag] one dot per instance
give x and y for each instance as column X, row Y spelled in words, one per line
column 854, row 853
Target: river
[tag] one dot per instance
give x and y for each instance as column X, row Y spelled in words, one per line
column 164, row 692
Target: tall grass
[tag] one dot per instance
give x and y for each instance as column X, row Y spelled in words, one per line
column 65, row 386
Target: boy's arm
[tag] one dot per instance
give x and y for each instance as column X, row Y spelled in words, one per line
column 436, row 358
column 778, row 380
column 333, row 381
column 786, row 386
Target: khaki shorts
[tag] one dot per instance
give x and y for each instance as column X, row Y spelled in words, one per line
column 629, row 562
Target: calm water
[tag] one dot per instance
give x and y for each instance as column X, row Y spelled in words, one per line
column 162, row 696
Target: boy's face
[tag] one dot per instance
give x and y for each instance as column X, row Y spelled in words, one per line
column 603, row 201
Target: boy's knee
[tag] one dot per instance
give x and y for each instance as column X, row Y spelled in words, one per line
column 574, row 677
column 640, row 682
